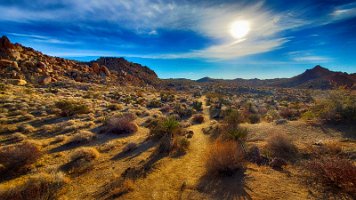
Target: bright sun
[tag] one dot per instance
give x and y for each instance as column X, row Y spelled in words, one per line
column 239, row 29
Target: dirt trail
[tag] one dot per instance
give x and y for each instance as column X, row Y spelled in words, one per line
column 173, row 175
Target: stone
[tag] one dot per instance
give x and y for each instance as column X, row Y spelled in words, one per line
column 46, row 80
column 96, row 68
column 105, row 70
column 20, row 82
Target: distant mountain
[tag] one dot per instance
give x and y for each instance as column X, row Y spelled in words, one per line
column 27, row 65
column 317, row 78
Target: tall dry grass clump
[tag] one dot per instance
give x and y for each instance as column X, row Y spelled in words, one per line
column 224, row 158
column 280, row 146
column 122, row 125
column 35, row 187
column 19, row 156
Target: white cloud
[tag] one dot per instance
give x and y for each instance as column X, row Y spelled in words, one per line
column 307, row 57
column 148, row 16
column 344, row 12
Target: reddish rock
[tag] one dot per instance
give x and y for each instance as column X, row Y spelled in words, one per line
column 105, row 70
column 96, row 68
column 5, row 43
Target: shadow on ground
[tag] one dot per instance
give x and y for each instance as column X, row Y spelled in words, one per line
column 227, row 188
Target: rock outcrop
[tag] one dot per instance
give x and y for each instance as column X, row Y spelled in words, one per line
column 24, row 63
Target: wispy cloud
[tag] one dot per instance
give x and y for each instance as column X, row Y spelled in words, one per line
column 308, row 57
column 148, row 17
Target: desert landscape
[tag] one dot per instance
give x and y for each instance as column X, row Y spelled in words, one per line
column 109, row 128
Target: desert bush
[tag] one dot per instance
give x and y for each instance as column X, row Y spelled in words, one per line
column 35, row 187
column 232, row 119
column 289, row 114
column 154, row 103
column 197, row 105
column 17, row 137
column 280, row 146
column 122, row 125
column 85, row 153
column 58, row 139
column 82, row 137
column 337, row 107
column 70, row 108
column 26, row 128
column 237, row 134
column 183, row 111
column 180, row 145
column 254, row 118
column 272, row 115
column 19, row 156
column 163, row 127
column 334, row 174
column 115, row 106
column 166, row 97
column 124, row 187
column 224, row 158
column 198, row 119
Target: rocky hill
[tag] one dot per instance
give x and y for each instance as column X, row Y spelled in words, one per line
column 316, row 78
column 24, row 65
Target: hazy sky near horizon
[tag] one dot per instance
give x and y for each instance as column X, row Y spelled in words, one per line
column 192, row 39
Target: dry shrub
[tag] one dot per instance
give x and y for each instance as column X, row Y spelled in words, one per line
column 59, row 138
column 36, row 187
column 69, row 108
column 17, row 137
column 26, row 128
column 124, row 187
column 180, row 145
column 280, row 146
column 122, row 125
column 82, row 137
column 198, row 119
column 334, row 174
column 19, row 156
column 85, row 153
column 224, row 158
column 81, row 160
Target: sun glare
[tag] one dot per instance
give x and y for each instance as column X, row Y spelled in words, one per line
column 239, row 29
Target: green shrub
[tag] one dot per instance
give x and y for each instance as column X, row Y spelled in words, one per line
column 163, row 127
column 197, row 105
column 69, row 108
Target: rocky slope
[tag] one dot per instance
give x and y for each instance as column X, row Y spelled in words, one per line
column 24, row 65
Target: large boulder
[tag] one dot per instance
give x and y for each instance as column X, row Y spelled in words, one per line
column 4, row 63
column 46, row 80
column 96, row 68
column 105, row 70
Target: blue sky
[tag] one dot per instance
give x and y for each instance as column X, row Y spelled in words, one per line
column 192, row 39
